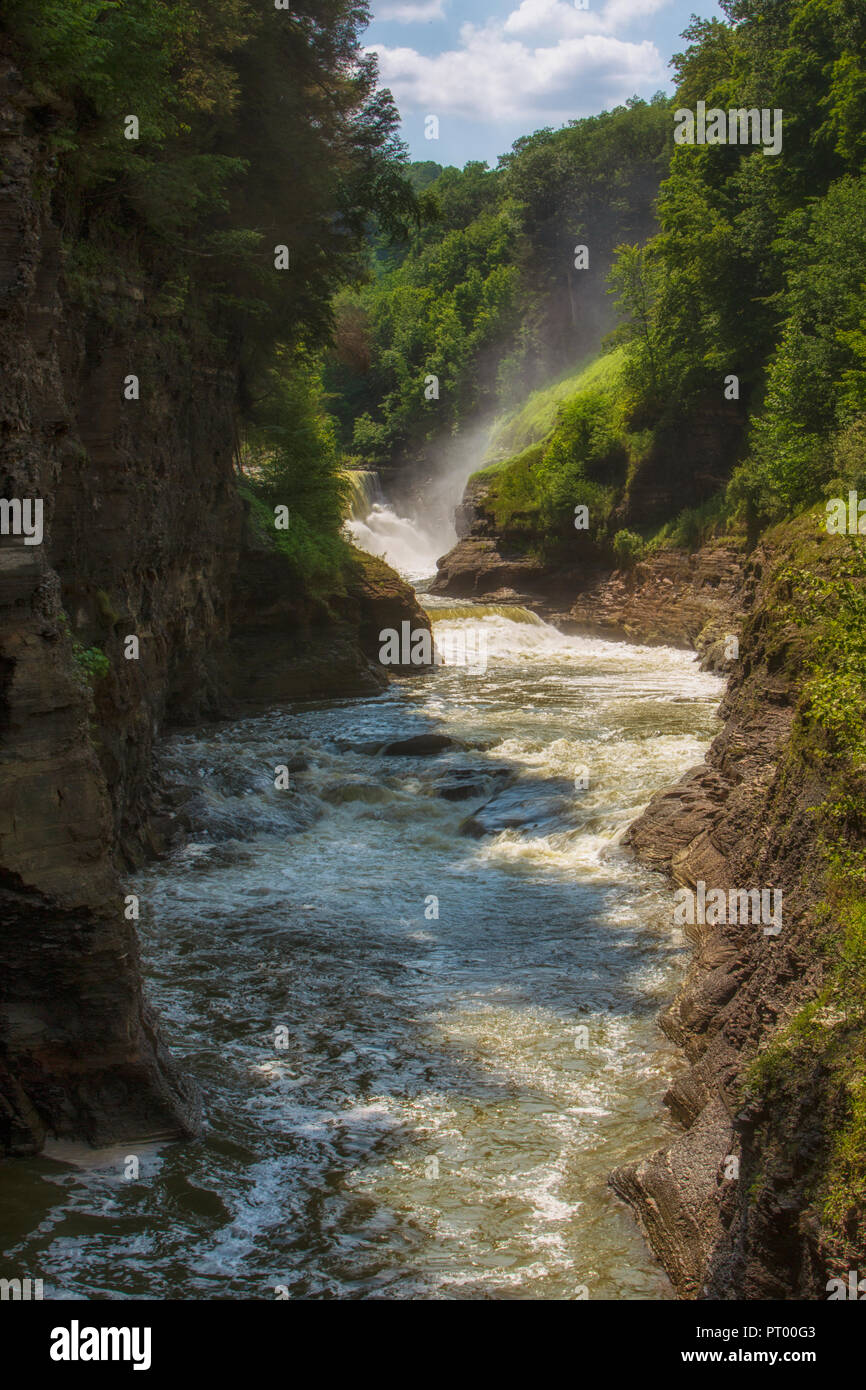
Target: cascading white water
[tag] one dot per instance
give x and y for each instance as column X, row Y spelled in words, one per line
column 398, row 539
column 363, row 491
column 417, row 990
column 374, row 526
column 413, row 543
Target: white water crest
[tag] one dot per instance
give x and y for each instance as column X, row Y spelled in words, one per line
column 402, row 541
column 412, row 538
column 432, row 934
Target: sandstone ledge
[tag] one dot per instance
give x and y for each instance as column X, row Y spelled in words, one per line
column 726, row 1207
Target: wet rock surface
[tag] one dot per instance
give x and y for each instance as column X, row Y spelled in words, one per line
column 475, row 568
column 467, row 784
column 526, row 806
column 145, row 534
column 673, row 598
column 728, row 1205
column 421, row 746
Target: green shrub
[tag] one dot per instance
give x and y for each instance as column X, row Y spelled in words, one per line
column 628, row 548
column 291, row 460
column 92, row 661
column 694, row 526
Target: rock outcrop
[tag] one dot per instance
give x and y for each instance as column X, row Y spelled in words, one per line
column 730, row 1205
column 675, row 597
column 285, row 644
column 481, row 562
column 145, row 536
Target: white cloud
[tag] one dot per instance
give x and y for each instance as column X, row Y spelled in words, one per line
column 411, row 11
column 552, row 17
column 619, row 12
column 565, row 19
column 494, row 77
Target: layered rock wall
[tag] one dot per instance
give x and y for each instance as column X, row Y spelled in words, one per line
column 145, row 536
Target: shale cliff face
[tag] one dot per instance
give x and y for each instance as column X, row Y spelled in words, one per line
column 733, row 1208
column 145, row 536
column 736, row 1207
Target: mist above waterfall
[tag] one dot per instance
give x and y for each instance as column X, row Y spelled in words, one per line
column 401, row 540
column 414, row 526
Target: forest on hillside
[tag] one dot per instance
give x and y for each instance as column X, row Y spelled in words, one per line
column 653, row 354
column 709, row 262
column 259, row 130
column 230, row 159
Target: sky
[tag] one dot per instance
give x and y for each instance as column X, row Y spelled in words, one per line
column 491, row 70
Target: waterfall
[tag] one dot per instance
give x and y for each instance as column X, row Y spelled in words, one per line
column 412, row 543
column 375, row 526
column 363, row 491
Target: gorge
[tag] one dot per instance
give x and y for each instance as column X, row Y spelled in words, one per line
column 325, row 975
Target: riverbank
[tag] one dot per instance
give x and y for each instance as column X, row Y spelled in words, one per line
column 151, row 598
column 758, row 1198
column 417, row 987
column 674, row 598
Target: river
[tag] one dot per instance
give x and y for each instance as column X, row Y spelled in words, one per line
column 425, row 1031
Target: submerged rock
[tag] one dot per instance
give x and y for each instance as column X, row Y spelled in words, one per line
column 421, row 746
column 464, row 784
column 525, row 806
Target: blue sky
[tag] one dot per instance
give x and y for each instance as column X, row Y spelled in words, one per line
column 491, row 70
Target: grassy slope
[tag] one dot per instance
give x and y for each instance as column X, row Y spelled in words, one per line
column 571, row 442
column 530, row 422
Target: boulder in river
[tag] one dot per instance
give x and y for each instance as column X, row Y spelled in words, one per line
column 421, row 746
column 527, row 805
column 466, row 784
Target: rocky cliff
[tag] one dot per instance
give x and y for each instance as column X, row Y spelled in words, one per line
column 145, row 537
column 758, row 1198
column 762, row 1195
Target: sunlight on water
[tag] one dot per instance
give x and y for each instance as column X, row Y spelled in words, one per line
column 405, row 544
column 432, row 933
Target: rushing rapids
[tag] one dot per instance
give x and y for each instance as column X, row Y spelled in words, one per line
column 412, row 543
column 377, row 527
column 418, row 989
